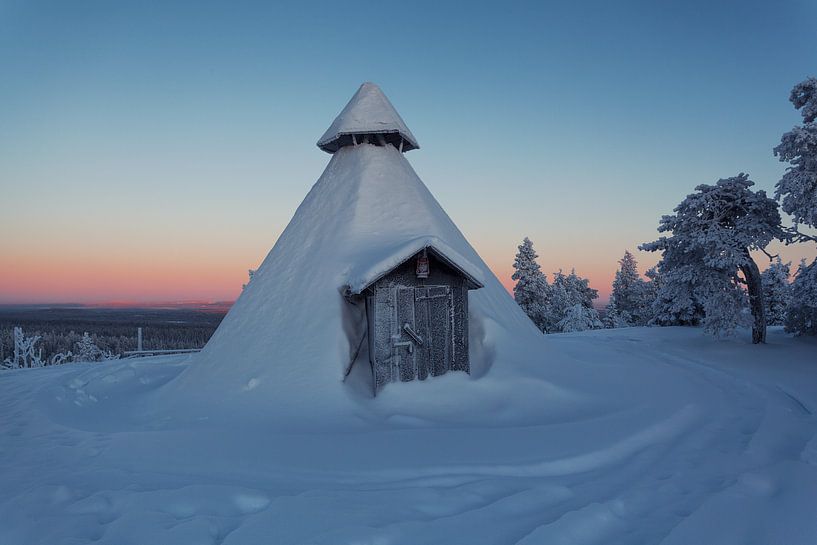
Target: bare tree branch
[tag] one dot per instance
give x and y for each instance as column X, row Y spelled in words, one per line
column 770, row 256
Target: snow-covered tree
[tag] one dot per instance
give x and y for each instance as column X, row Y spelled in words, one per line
column 576, row 288
column 776, row 291
column 713, row 231
column 801, row 317
column 651, row 287
column 725, row 304
column 797, row 190
column 629, row 295
column 25, row 351
column 579, row 318
column 797, row 193
column 88, row 351
column 614, row 318
column 675, row 302
column 61, row 357
column 567, row 291
column 531, row 290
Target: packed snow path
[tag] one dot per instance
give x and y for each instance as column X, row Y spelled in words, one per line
column 674, row 439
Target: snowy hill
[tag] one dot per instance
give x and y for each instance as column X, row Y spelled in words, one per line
column 640, row 435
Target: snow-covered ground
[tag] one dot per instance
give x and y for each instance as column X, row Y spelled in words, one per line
column 629, row 436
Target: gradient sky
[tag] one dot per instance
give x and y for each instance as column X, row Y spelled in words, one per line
column 155, row 151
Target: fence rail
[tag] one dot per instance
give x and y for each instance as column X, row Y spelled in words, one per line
column 143, row 353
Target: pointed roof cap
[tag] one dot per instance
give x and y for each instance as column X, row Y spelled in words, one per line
column 369, row 113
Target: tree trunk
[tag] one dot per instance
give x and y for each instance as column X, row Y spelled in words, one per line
column 756, row 303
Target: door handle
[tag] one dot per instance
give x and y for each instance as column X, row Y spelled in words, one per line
column 407, row 344
column 413, row 334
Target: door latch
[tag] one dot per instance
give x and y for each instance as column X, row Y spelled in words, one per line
column 413, row 334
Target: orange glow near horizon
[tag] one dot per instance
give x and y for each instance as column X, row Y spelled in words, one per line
column 172, row 276
column 33, row 279
column 207, row 274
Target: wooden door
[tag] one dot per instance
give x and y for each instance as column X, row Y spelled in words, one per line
column 410, row 330
column 381, row 325
column 435, row 307
column 406, row 341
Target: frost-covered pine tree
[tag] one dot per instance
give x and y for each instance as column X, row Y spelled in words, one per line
column 630, row 292
column 651, row 287
column 776, row 291
column 801, row 317
column 567, row 291
column 674, row 300
column 797, row 193
column 797, row 189
column 713, row 231
column 531, row 290
column 579, row 318
column 725, row 304
column 88, row 351
column 577, row 289
column 558, row 302
column 614, row 318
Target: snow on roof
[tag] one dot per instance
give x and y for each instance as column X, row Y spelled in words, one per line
column 288, row 336
column 286, row 344
column 369, row 112
column 394, row 255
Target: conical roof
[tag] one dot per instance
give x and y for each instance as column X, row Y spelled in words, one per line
column 284, row 346
column 368, row 114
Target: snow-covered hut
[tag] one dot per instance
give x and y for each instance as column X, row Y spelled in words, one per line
column 416, row 312
column 369, row 235
column 415, row 295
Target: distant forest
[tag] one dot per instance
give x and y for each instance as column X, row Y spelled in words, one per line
column 112, row 330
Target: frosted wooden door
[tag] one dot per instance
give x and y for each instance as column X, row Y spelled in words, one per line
column 434, row 312
column 412, row 333
column 406, row 339
column 381, row 328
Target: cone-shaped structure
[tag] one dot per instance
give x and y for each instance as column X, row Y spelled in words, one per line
column 369, row 117
column 290, row 337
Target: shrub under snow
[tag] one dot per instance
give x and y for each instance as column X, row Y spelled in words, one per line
column 27, row 355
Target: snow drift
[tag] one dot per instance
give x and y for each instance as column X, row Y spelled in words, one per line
column 675, row 439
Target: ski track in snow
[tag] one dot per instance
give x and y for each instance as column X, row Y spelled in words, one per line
column 724, row 452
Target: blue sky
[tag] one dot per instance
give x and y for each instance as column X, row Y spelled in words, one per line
column 156, row 150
